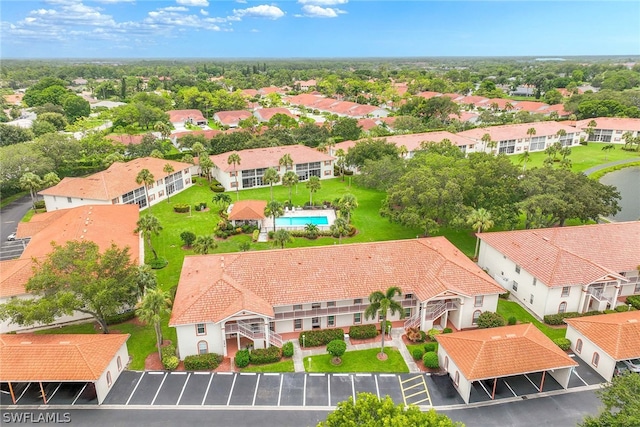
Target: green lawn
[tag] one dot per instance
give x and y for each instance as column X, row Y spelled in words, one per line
column 283, row 366
column 359, row 361
column 512, row 308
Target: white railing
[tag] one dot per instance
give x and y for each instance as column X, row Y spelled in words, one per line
column 433, row 311
column 600, row 296
column 412, row 322
column 258, row 332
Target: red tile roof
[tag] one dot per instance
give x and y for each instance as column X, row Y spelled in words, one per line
column 612, row 123
column 518, row 131
column 126, row 139
column 208, row 134
column 176, row 116
column 229, row 118
column 499, row 352
column 248, row 210
column 367, row 124
column 272, row 278
column 57, row 357
column 413, row 141
column 472, row 99
column 269, row 157
column 14, row 275
column 250, row 92
column 266, row 113
column 618, row 334
column 571, row 255
column 531, row 106
column 429, row 94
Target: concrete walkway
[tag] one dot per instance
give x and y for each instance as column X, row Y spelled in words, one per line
column 396, row 334
column 608, row 165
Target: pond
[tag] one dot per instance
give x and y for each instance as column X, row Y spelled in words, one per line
column 627, row 181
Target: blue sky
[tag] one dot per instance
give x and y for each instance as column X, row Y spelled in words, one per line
column 315, row 28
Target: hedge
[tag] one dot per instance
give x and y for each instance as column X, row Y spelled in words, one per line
column 563, row 343
column 170, row 363
column 287, row 349
column 362, row 332
column 202, row 362
column 634, row 300
column 430, row 360
column 558, row 319
column 158, row 263
column 318, row 337
column 181, row 207
column 242, row 358
column 265, row 355
column 119, row 318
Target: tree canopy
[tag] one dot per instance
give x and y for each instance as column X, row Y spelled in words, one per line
column 621, row 403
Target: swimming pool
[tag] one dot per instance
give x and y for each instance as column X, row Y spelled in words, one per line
column 301, row 220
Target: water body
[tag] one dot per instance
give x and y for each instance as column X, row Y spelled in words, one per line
column 627, row 181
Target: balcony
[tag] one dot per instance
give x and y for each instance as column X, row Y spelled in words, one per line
column 333, row 311
column 599, row 295
column 253, row 331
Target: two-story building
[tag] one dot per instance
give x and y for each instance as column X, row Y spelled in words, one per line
column 262, row 295
column 609, row 129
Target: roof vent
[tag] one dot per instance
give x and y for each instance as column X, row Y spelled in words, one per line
column 496, row 337
column 25, row 342
column 65, row 342
column 632, row 320
column 546, row 239
column 511, row 335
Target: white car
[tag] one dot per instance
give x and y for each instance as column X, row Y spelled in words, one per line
column 11, row 237
column 633, row 364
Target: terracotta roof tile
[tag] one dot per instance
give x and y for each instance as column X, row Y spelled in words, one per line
column 267, row 113
column 176, row 116
column 269, row 157
column 413, row 141
column 612, row 123
column 14, row 275
column 500, row 352
column 248, row 209
column 618, row 333
column 518, row 131
column 232, row 117
column 126, row 139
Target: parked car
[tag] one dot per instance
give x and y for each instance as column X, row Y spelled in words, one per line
column 11, row 237
column 620, row 369
column 633, row 364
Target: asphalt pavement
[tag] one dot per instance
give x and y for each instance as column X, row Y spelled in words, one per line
column 10, row 217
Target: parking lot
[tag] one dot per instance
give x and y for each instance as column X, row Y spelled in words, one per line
column 57, row 394
column 12, row 249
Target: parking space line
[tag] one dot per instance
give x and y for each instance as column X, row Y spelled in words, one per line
column 415, row 394
column 273, row 374
column 207, row 392
column 388, row 375
column 363, row 375
column 233, row 384
column 23, row 392
column 304, row 391
column 183, row 387
column 135, row 388
column 79, row 394
column 54, row 392
column 200, row 373
column 532, row 383
column 579, row 377
column 375, row 377
column 255, row 393
column 426, row 389
column 5, row 392
column 404, row 398
column 340, row 375
column 328, row 391
column 353, row 389
column 224, row 373
column 158, row 391
column 280, row 391
column 485, row 389
column 316, row 375
column 156, row 373
column 412, row 386
column 248, row 373
column 509, row 387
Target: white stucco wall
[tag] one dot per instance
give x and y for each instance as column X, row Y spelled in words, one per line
column 6, row 326
column 464, row 385
column 606, row 365
column 54, row 203
column 188, row 340
column 102, row 387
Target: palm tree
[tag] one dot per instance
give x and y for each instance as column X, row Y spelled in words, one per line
column 234, row 158
column 313, row 185
column 204, row 244
column 163, row 128
column 531, row 132
column 271, row 177
column 32, row 182
column 311, row 230
column 289, row 179
column 524, row 158
column 606, row 149
column 223, row 199
column 486, row 138
column 479, row 219
column 347, row 204
column 282, row 237
column 628, row 140
column 591, row 128
column 168, row 169
column 274, row 209
column 383, row 303
column 561, row 134
column 153, row 306
column 197, row 149
column 341, row 161
column 205, row 165
column 157, row 154
column 340, row 227
column 145, row 178
column 286, row 161
column 148, row 226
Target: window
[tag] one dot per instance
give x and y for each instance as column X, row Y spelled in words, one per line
column 535, row 281
column 234, row 184
column 253, row 177
column 297, row 307
column 109, row 380
column 327, row 162
column 507, row 147
column 152, row 197
column 331, row 303
column 232, row 174
column 456, row 379
column 408, row 296
column 272, row 326
column 69, row 199
column 114, row 201
column 159, row 182
column 315, row 305
column 407, row 312
column 201, row 329
column 305, row 170
column 331, row 321
column 203, row 348
column 327, row 173
column 476, row 314
column 357, row 318
column 315, row 323
column 515, row 286
column 136, row 196
column 537, row 143
column 297, row 324
column 446, row 363
column 518, row 269
column 357, row 301
column 173, row 183
column 579, row 346
column 595, row 359
column 479, row 300
column 565, row 291
column 119, row 362
column 601, row 135
column 637, row 288
column 562, row 308
column 531, row 299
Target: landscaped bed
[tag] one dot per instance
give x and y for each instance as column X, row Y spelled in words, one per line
column 511, row 308
column 359, row 361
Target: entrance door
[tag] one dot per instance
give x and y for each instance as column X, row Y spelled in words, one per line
column 315, row 322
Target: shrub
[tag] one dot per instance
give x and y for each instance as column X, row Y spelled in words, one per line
column 158, row 263
column 423, row 336
column 244, row 246
column 319, row 337
column 430, row 360
column 271, row 234
column 414, row 335
column 417, row 353
column 242, row 358
column 558, row 319
column 563, row 343
column 216, row 188
column 447, row 330
column 170, row 363
column 505, row 295
column 512, row 320
column 622, row 308
column 265, row 355
column 119, row 318
column 287, row 349
column 634, row 300
column 489, row 319
column 181, row 207
column 198, row 208
column 168, row 351
column 255, row 235
column 336, row 348
column 430, row 346
column 202, row 362
column 203, row 205
column 39, row 204
column 188, row 237
column 361, row 332
column 432, row 333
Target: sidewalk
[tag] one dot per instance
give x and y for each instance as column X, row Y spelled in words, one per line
column 396, row 334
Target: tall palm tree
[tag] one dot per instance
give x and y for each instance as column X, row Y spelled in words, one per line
column 290, row 179
column 168, row 169
column 205, row 165
column 204, row 244
column 153, row 306
column 163, row 128
column 341, row 161
column 348, row 203
column 197, row 149
column 524, row 158
column 148, row 226
column 531, row 132
column 32, row 182
column 384, row 303
column 145, row 178
column 340, row 227
column 313, row 185
column 286, row 161
column 282, row 237
column 488, row 143
column 271, row 177
column 591, row 128
column 274, row 209
column 234, row 159
column 628, row 139
column 480, row 220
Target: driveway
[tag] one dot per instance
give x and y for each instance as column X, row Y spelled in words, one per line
column 11, row 216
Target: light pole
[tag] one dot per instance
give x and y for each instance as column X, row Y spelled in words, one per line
column 303, row 340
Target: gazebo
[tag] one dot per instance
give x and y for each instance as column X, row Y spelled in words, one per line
column 247, row 212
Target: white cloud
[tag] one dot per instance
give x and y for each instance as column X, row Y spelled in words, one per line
column 204, row 12
column 201, row 3
column 116, row 1
column 262, row 11
column 175, row 9
column 323, row 2
column 313, row 11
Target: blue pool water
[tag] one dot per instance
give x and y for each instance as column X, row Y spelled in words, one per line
column 302, row 220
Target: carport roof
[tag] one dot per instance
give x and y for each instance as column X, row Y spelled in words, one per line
column 617, row 333
column 501, row 352
column 57, row 357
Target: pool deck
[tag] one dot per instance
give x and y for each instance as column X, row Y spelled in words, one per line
column 267, row 223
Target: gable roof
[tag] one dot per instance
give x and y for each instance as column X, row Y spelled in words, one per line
column 269, row 157
column 14, row 275
column 232, row 117
column 267, row 113
column 413, row 141
column 126, row 139
column 57, row 357
column 259, row 281
column 618, row 333
column 504, row 351
column 564, row 256
column 518, row 131
column 176, row 116
column 248, row 209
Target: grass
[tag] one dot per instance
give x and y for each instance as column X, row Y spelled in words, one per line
column 283, row 366
column 599, row 174
column 359, row 361
column 511, row 308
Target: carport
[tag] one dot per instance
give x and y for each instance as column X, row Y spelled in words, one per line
column 482, row 357
column 59, row 366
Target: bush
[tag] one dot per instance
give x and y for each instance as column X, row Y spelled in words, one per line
column 489, row 319
column 563, row 343
column 634, row 300
column 287, row 349
column 558, row 319
column 512, row 320
column 244, row 246
column 319, row 337
column 505, row 295
column 198, row 208
column 181, row 207
column 202, row 362
column 432, row 333
column 203, row 205
column 417, row 353
column 242, row 358
column 216, row 187
column 415, row 335
column 158, row 263
column 255, row 235
column 361, row 332
column 271, row 234
column 188, row 237
column 430, row 360
column 447, row 330
column 623, row 308
column 430, row 346
column 39, row 204
column 119, row 318
column 170, row 363
column 389, row 326
column 168, row 351
column 265, row 355
column 336, row 348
